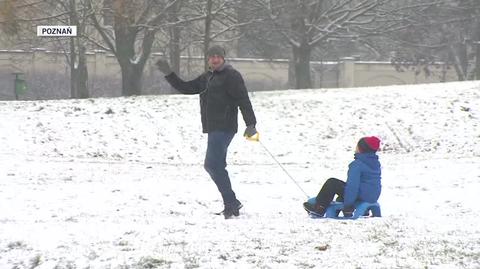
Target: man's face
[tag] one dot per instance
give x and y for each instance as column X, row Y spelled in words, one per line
column 215, row 61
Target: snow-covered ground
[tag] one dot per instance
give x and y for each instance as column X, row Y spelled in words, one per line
column 119, row 183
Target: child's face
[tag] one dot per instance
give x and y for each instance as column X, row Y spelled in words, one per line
column 357, row 150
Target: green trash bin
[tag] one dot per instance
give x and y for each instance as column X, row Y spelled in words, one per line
column 20, row 84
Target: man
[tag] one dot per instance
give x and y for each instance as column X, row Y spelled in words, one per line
column 222, row 91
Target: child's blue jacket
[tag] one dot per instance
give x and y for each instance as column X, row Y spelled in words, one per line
column 364, row 179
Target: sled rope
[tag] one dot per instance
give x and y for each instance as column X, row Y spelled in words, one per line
column 283, row 168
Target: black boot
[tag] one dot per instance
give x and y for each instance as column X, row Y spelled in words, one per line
column 348, row 211
column 232, row 210
column 315, row 209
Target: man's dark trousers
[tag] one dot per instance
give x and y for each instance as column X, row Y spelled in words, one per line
column 216, row 162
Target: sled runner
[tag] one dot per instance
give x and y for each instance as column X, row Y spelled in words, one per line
column 333, row 211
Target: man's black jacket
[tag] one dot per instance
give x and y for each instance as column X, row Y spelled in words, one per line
column 222, row 92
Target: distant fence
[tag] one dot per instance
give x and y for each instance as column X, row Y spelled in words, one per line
column 47, row 74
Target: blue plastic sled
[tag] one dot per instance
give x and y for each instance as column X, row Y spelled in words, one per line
column 361, row 209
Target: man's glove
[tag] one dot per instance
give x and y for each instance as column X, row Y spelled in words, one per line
column 163, row 66
column 250, row 132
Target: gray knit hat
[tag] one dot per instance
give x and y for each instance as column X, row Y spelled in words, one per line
column 216, row 50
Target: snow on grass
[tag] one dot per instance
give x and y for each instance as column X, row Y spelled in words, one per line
column 119, row 182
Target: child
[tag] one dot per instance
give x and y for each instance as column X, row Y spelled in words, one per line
column 363, row 181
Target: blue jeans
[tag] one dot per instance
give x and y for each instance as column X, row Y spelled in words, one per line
column 216, row 162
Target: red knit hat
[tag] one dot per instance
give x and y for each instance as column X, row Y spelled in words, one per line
column 368, row 144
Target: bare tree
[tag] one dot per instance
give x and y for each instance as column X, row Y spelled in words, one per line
column 256, row 35
column 77, row 14
column 23, row 15
column 134, row 25
column 174, row 35
column 17, row 17
column 307, row 24
column 132, row 34
column 461, row 28
column 218, row 23
column 446, row 30
column 8, row 20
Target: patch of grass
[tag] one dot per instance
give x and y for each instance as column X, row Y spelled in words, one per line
column 152, row 263
column 65, row 265
column 35, row 261
column 305, row 265
column 16, row 245
column 191, row 261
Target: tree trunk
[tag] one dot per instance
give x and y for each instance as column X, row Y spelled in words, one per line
column 301, row 58
column 174, row 42
column 291, row 73
column 243, row 45
column 78, row 73
column 82, row 86
column 477, row 61
column 131, row 79
column 78, row 62
column 125, row 53
column 174, row 51
column 125, row 35
column 462, row 58
column 206, row 38
column 477, row 49
column 73, row 70
column 457, row 63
